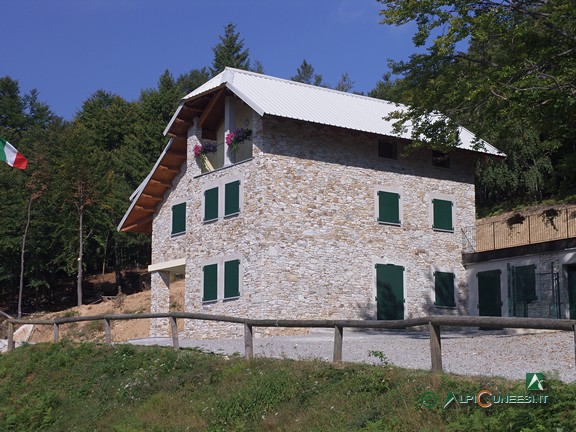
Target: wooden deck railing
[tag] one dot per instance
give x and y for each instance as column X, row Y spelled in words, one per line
column 521, row 230
column 433, row 323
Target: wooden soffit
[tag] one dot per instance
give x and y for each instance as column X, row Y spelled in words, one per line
column 145, row 204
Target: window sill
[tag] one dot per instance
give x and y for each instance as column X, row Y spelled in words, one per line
column 227, row 299
column 396, row 224
column 231, row 215
column 443, row 230
column 444, row 307
column 177, row 234
column 209, row 302
column 209, row 221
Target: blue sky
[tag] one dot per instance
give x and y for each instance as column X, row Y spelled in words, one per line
column 68, row 49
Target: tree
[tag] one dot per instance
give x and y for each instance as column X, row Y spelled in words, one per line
column 191, row 80
column 26, row 122
column 345, row 84
column 230, row 51
column 503, row 69
column 305, row 74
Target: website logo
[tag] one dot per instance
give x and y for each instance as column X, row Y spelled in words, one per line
column 485, row 398
column 535, row 381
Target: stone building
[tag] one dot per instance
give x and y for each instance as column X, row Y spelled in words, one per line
column 316, row 214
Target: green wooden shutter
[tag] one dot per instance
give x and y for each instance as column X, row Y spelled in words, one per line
column 388, row 207
column 232, row 198
column 525, row 283
column 489, row 296
column 389, row 292
column 442, row 215
column 210, row 282
column 178, row 218
column 211, row 204
column 444, row 289
column 231, row 278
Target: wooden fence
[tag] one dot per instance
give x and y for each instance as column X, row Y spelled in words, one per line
column 521, row 230
column 433, row 323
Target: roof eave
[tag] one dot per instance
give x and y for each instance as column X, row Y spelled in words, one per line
column 136, row 195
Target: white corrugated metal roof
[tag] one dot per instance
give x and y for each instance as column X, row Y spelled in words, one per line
column 290, row 99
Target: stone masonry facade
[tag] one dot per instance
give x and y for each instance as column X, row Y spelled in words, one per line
column 307, row 234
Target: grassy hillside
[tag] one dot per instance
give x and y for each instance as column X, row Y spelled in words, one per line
column 66, row 387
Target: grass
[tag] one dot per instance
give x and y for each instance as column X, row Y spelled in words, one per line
column 86, row 387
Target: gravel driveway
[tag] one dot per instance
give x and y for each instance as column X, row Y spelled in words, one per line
column 492, row 353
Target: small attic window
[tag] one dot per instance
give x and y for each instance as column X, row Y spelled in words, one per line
column 387, row 149
column 440, row 159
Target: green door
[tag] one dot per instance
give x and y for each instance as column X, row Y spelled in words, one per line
column 389, row 292
column 572, row 290
column 489, row 299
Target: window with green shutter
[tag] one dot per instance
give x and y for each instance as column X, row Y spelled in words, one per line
column 210, row 282
column 444, row 289
column 442, row 219
column 232, row 198
column 389, row 207
column 231, row 279
column 179, row 218
column 211, row 204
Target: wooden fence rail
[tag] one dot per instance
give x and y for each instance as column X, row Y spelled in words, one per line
column 433, row 323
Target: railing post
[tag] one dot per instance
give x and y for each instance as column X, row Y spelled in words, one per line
column 338, row 336
column 10, row 336
column 107, row 332
column 248, row 341
column 435, row 346
column 56, row 332
column 174, row 327
column 493, row 236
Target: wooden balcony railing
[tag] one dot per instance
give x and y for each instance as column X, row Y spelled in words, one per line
column 519, row 230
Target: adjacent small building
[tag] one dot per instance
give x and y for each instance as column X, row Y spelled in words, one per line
column 524, row 265
column 276, row 199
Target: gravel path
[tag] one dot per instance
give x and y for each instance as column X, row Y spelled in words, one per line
column 492, row 353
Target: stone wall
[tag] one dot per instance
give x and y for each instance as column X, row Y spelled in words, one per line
column 307, row 235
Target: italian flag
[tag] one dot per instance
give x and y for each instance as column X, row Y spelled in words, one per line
column 12, row 156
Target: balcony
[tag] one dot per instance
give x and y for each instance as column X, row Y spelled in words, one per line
column 224, row 155
column 519, row 230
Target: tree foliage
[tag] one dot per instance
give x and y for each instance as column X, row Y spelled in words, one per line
column 507, row 71
column 306, row 74
column 230, row 51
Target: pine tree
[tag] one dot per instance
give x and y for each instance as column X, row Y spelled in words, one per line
column 230, row 51
column 305, row 74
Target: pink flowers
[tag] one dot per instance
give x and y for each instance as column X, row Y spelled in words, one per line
column 230, row 138
column 233, row 139
column 205, row 148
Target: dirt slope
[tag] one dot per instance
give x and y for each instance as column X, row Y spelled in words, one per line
column 94, row 330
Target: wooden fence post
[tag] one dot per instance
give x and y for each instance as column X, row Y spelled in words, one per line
column 338, row 336
column 56, row 333
column 174, row 327
column 10, row 336
column 107, row 332
column 248, row 341
column 435, row 347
